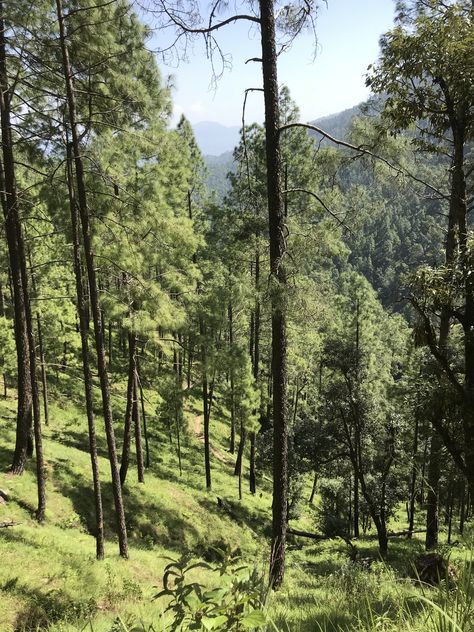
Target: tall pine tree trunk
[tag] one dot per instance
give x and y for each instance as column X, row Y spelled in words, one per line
column 411, row 510
column 205, row 408
column 256, row 367
column 44, row 379
column 252, row 475
column 129, row 411
column 462, row 508
column 93, row 284
column 232, row 383
column 434, row 470
column 356, row 507
column 313, row 488
column 24, row 442
column 240, row 451
column 145, row 427
column 138, row 431
column 458, row 208
column 277, row 230
column 178, row 404
column 86, row 362
column 27, row 348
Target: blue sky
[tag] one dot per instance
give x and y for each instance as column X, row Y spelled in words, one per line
column 348, row 32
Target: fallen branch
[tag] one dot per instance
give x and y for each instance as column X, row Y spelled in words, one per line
column 11, row 523
column 306, row 534
column 405, row 533
column 320, row 538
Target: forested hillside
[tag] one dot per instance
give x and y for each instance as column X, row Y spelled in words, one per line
column 217, row 170
column 240, row 407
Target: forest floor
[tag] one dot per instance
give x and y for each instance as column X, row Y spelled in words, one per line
column 50, row 579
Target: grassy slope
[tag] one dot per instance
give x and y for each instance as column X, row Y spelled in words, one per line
column 49, row 571
column 48, row 574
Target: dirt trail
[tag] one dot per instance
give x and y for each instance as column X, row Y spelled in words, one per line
column 216, row 452
column 198, row 424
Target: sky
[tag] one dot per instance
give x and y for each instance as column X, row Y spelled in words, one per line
column 322, row 80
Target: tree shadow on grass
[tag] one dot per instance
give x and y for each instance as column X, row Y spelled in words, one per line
column 239, row 513
column 43, row 608
column 79, row 441
column 322, row 567
column 331, row 593
column 6, row 458
column 148, row 521
column 15, row 536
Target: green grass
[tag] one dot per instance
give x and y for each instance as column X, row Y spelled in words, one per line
column 48, row 573
column 49, row 578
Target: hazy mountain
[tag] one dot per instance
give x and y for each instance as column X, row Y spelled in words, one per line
column 217, row 142
column 215, row 139
column 338, row 124
column 217, row 169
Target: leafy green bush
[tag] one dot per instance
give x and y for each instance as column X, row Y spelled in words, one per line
column 331, row 514
column 234, row 605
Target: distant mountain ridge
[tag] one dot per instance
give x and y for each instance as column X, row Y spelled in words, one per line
column 217, row 142
column 215, row 139
column 217, row 169
column 338, row 124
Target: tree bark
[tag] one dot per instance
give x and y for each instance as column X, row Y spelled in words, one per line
column 205, row 409
column 240, row 452
column 458, row 203
column 462, row 509
column 129, row 411
column 23, row 443
column 138, row 430
column 434, row 470
column 411, row 510
column 449, row 511
column 313, row 488
column 252, row 475
column 356, row 507
column 256, row 367
column 145, row 428
column 277, row 230
column 44, row 379
column 2, row 297
column 178, row 404
column 232, row 384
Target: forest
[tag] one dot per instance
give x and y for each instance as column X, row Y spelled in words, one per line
column 248, row 407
